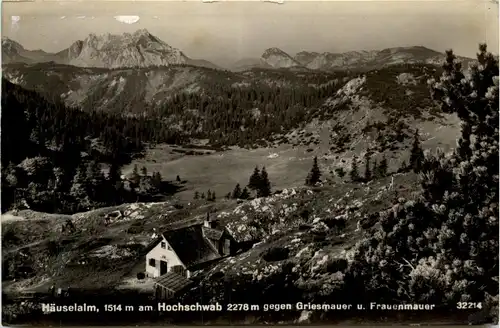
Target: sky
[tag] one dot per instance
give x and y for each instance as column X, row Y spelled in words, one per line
column 224, row 32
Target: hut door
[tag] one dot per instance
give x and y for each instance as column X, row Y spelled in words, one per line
column 226, row 249
column 163, row 267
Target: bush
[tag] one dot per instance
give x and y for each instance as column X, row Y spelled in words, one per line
column 136, row 228
column 141, row 275
column 275, row 254
column 336, row 265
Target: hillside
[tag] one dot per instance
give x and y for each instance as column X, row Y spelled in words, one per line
column 225, row 107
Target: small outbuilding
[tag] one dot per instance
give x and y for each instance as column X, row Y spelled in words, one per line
column 170, row 284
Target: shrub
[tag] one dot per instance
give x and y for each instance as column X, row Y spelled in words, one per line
column 141, row 275
column 275, row 254
column 336, row 265
column 135, row 228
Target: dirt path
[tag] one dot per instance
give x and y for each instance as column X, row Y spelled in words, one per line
column 24, row 246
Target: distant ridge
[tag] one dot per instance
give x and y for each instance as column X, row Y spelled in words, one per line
column 352, row 60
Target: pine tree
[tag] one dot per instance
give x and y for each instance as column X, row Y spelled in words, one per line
column 178, row 179
column 368, row 172
column 417, row 154
column 157, row 180
column 95, row 180
column 228, row 195
column 314, row 175
column 382, row 167
column 245, row 194
column 375, row 169
column 254, row 181
column 114, row 174
column 79, row 189
column 403, row 167
column 144, row 171
column 135, row 178
column 209, row 195
column 213, row 197
column 202, row 195
column 265, row 185
column 196, row 195
column 236, row 192
column 354, row 173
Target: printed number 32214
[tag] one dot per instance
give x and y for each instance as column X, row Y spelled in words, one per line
column 469, row 305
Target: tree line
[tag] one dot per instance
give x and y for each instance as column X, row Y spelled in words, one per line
column 51, row 154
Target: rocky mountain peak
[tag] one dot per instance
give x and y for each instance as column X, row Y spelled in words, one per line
column 274, row 52
column 305, row 57
column 277, row 58
column 10, row 45
column 139, row 49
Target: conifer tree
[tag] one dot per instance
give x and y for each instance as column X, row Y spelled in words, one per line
column 245, row 194
column 144, row 171
column 403, row 167
column 382, row 167
column 95, row 180
column 368, row 172
column 417, row 154
column 78, row 186
column 254, row 181
column 196, row 195
column 265, row 185
column 157, row 180
column 202, row 195
column 114, row 174
column 178, row 179
column 314, row 175
column 135, row 178
column 354, row 173
column 375, row 169
column 79, row 189
column 236, row 192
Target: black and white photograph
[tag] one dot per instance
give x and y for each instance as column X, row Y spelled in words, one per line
column 249, row 163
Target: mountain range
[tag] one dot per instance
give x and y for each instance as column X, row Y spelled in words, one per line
column 352, row 60
column 142, row 49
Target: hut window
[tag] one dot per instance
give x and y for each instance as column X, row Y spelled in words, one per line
column 152, row 262
column 163, row 245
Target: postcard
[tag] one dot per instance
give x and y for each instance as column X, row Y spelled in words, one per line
column 249, row 163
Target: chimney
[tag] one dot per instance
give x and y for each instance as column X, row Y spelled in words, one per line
column 206, row 223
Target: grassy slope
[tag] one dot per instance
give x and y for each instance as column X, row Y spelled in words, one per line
column 99, row 256
column 288, row 163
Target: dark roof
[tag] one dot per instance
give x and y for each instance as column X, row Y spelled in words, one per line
column 213, row 234
column 190, row 245
column 173, row 281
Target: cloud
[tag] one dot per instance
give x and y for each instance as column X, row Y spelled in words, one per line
column 127, row 19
